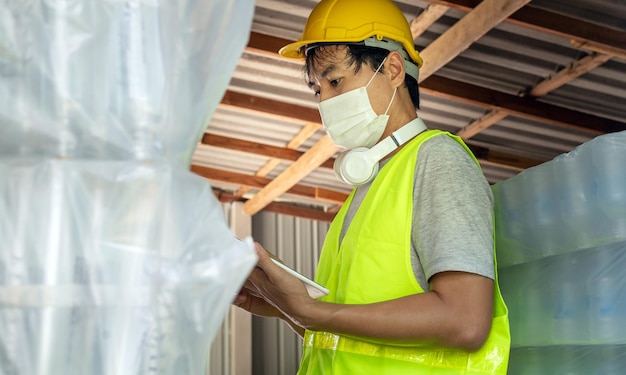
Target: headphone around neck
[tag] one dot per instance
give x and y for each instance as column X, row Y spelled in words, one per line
column 360, row 165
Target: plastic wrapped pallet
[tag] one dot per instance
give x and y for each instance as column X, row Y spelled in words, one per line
column 561, row 246
column 576, row 298
column 576, row 201
column 114, row 258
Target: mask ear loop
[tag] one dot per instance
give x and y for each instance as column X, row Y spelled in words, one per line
column 376, row 72
column 394, row 90
column 391, row 101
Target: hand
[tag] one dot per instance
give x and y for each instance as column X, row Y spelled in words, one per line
column 255, row 305
column 275, row 287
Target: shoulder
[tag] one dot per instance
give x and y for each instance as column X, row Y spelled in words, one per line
column 444, row 147
column 445, row 159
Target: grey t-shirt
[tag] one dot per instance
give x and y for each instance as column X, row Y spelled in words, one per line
column 452, row 212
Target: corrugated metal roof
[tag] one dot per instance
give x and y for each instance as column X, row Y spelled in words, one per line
column 509, row 59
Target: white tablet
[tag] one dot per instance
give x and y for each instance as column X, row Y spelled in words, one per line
column 315, row 290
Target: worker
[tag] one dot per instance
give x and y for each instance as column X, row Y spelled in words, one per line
column 409, row 260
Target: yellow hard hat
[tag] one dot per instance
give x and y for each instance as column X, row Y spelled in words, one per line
column 345, row 21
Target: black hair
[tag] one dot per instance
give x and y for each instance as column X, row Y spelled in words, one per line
column 358, row 55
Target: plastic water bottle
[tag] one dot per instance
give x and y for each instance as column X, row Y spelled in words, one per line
column 606, row 290
column 566, row 282
column 609, row 157
column 525, row 294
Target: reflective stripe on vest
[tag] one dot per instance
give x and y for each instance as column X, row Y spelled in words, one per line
column 356, row 273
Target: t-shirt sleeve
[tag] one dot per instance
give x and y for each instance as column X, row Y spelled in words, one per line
column 454, row 211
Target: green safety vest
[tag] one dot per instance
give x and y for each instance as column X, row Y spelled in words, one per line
column 355, row 272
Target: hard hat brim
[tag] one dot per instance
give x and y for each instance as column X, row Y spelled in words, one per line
column 295, row 50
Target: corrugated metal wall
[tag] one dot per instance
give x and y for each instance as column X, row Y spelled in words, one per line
column 276, row 349
column 219, row 357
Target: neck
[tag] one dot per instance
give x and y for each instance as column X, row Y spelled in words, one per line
column 401, row 112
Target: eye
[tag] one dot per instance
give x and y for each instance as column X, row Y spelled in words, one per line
column 316, row 90
column 334, row 82
column 315, row 87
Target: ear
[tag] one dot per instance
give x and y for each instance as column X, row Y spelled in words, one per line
column 394, row 67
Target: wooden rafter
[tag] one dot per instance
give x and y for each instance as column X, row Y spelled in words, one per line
column 549, row 84
column 569, row 73
column 481, row 124
column 520, row 106
column 313, row 158
column 600, row 49
column 424, row 20
column 271, row 107
column 282, row 208
column 305, row 133
column 464, row 32
column 257, row 182
column 552, row 23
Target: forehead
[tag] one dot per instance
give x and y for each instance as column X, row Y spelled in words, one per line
column 326, row 59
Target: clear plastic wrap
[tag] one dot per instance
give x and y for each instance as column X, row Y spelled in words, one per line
column 561, row 243
column 575, row 298
column 114, row 258
column 115, row 79
column 573, row 202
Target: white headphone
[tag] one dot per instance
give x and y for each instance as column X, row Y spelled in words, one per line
column 360, row 165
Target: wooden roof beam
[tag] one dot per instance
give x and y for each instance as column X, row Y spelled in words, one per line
column 568, row 74
column 520, row 106
column 464, row 32
column 305, row 133
column 257, row 182
column 600, row 49
column 575, row 29
column 272, row 107
column 310, row 160
column 549, row 84
column 481, row 124
column 424, row 20
column 256, row 148
column 282, row 208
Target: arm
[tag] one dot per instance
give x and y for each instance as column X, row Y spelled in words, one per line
column 455, row 313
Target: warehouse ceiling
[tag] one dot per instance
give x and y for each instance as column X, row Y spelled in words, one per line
column 520, row 81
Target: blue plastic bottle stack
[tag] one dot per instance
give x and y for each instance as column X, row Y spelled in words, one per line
column 561, row 248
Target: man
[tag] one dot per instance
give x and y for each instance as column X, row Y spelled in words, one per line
column 409, row 259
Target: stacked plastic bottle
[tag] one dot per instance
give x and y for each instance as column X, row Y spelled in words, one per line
column 114, row 258
column 561, row 247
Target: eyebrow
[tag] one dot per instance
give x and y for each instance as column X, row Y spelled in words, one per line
column 325, row 72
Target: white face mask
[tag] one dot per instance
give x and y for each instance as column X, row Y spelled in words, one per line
column 350, row 120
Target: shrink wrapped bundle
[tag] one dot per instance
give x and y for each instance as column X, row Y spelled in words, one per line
column 561, row 247
column 114, row 259
column 575, row 201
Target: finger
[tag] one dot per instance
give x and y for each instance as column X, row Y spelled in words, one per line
column 241, row 298
column 265, row 260
column 248, row 284
column 257, row 275
column 264, row 255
